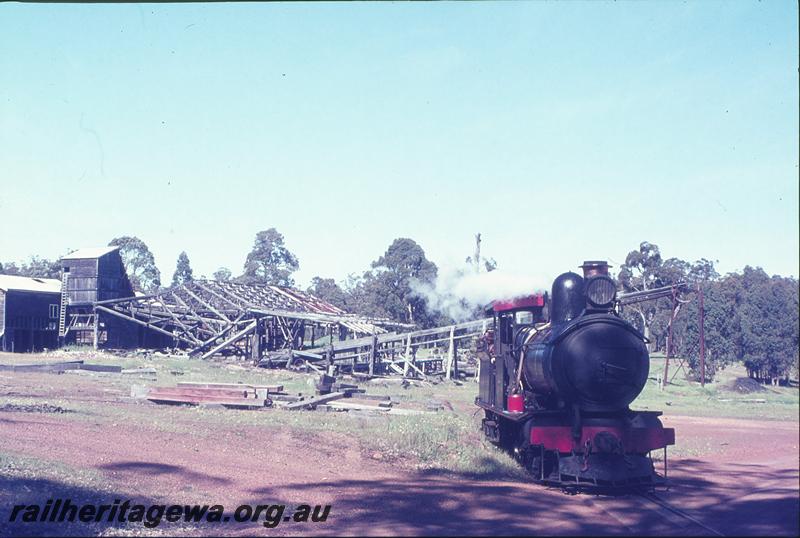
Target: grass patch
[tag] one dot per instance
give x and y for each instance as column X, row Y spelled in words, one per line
column 20, row 466
column 448, row 442
column 716, row 399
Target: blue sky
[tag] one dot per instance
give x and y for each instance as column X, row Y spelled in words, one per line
column 561, row 131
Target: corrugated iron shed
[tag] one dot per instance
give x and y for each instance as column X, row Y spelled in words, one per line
column 89, row 253
column 24, row 283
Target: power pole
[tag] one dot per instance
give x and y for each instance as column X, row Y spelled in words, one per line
column 478, row 253
column 669, row 337
column 702, row 339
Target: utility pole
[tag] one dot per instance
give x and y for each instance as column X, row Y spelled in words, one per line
column 669, row 337
column 478, row 253
column 702, row 339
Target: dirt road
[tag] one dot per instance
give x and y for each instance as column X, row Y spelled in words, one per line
column 744, row 480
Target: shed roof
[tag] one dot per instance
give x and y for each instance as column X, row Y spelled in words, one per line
column 89, row 253
column 24, row 283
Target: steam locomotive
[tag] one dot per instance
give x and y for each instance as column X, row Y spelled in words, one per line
column 557, row 376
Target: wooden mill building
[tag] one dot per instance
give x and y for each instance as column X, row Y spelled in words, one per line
column 29, row 313
column 89, row 276
column 94, row 304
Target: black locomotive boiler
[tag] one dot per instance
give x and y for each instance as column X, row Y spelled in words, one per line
column 557, row 376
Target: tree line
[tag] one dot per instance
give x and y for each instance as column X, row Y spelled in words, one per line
column 749, row 316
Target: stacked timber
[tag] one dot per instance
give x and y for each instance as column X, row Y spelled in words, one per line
column 60, row 367
column 225, row 394
column 331, row 396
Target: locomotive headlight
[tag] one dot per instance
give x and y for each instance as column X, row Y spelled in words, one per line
column 601, row 291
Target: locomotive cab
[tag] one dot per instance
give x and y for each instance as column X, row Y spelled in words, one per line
column 496, row 363
column 557, row 376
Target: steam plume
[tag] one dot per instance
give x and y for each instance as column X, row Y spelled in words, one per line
column 457, row 293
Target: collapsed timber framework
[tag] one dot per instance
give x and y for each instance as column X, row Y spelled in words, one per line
column 393, row 353
column 208, row 317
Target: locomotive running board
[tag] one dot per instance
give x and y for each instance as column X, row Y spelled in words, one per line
column 517, row 417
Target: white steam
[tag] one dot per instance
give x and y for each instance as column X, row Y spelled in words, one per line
column 457, row 293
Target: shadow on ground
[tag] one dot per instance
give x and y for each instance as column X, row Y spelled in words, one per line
column 739, row 498
column 150, row 468
column 28, row 491
column 745, row 500
column 735, row 499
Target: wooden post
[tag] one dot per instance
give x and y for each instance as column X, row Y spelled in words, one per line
column 330, row 354
column 407, row 356
column 373, row 354
column 669, row 339
column 477, row 253
column 450, row 353
column 478, row 370
column 671, row 322
column 250, row 327
column 96, row 331
column 455, row 359
column 256, row 348
column 702, row 340
column 262, row 337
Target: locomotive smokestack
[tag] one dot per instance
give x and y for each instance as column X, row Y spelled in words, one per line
column 595, row 267
column 567, row 300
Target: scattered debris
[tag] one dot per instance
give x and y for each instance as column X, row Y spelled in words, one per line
column 745, row 385
column 437, row 405
column 385, row 397
column 325, row 384
column 315, row 400
column 359, row 406
column 60, row 367
column 193, row 384
column 244, row 398
column 743, row 400
column 33, row 408
column 286, row 397
column 139, row 371
column 331, row 397
column 101, row 368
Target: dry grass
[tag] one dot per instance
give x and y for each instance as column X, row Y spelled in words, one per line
column 447, row 441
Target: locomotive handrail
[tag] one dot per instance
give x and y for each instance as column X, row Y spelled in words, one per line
column 651, row 294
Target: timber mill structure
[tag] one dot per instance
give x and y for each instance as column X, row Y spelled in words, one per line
column 207, row 317
column 204, row 317
column 397, row 353
column 94, row 304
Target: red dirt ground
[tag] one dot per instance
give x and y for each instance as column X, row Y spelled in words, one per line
column 744, row 481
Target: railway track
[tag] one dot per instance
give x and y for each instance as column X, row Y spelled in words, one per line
column 652, row 497
column 669, row 520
